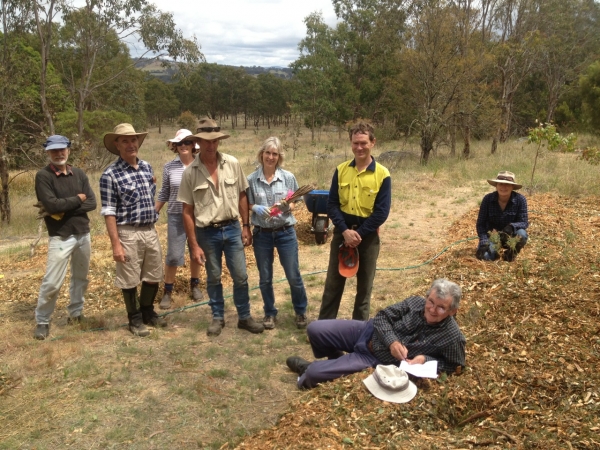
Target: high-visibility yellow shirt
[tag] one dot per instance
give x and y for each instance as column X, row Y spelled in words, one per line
column 358, row 190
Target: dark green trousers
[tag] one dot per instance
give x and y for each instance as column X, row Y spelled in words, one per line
column 368, row 252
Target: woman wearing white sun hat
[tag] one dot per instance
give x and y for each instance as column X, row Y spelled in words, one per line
column 185, row 149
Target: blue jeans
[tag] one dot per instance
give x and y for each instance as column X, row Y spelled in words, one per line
column 286, row 243
column 176, row 240
column 215, row 242
column 78, row 249
column 492, row 253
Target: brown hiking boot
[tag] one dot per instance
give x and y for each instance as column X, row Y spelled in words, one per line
column 301, row 321
column 269, row 322
column 251, row 325
column 215, row 327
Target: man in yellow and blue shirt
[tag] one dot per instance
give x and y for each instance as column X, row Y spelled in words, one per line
column 359, row 203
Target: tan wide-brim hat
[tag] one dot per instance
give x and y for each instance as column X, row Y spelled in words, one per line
column 209, row 130
column 505, row 177
column 123, row 129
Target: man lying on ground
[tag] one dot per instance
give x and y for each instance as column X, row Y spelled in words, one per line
column 416, row 330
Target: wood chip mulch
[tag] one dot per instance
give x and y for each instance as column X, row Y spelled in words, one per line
column 533, row 354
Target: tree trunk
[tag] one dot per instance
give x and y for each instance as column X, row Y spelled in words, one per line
column 426, row 148
column 467, row 148
column 4, row 197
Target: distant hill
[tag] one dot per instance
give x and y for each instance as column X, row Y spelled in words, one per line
column 158, row 70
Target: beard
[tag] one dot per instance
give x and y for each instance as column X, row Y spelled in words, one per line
column 59, row 160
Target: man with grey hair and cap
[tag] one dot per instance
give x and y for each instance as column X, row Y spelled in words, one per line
column 127, row 190
column 64, row 198
column 213, row 192
column 416, row 330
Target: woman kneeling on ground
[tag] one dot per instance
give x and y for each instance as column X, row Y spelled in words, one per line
column 185, row 149
column 503, row 211
column 269, row 186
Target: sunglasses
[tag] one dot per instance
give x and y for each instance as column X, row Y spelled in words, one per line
column 208, row 129
column 179, row 144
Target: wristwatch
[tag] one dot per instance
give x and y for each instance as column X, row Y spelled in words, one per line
column 246, row 225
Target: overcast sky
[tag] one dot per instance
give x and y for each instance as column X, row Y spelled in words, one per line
column 247, row 32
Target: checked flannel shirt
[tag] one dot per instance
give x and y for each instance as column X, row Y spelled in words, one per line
column 128, row 193
column 405, row 322
column 491, row 217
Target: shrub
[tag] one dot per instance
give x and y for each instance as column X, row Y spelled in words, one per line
column 188, row 121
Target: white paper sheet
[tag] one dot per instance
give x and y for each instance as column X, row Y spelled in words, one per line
column 427, row 370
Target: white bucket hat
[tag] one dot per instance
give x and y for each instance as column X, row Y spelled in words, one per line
column 181, row 135
column 390, row 384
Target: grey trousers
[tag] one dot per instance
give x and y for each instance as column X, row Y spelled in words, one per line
column 368, row 252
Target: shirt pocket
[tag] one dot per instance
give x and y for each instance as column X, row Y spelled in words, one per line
column 344, row 193
column 201, row 195
column 368, row 195
column 129, row 194
column 231, row 188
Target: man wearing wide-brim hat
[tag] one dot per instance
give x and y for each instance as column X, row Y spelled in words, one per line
column 503, row 211
column 213, row 192
column 127, row 189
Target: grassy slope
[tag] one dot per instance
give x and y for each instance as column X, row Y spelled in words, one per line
column 178, row 388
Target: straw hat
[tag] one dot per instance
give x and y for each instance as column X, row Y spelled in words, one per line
column 209, row 130
column 123, row 129
column 505, row 177
column 391, row 384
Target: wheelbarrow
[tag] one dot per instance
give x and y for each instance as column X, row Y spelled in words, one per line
column 316, row 202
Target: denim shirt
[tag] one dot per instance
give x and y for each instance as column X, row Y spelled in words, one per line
column 261, row 192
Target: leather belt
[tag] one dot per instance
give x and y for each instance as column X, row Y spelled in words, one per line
column 221, row 224
column 370, row 347
column 274, row 230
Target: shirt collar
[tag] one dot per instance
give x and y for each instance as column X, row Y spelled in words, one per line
column 277, row 176
column 370, row 167
column 125, row 165
column 512, row 199
column 59, row 172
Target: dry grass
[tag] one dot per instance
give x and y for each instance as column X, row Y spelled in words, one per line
column 178, row 389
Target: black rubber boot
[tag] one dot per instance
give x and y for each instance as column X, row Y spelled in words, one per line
column 148, row 293
column 136, row 324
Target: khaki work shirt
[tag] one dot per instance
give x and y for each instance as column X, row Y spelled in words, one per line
column 213, row 203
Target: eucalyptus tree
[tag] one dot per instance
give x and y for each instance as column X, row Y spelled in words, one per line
column 434, row 70
column 312, row 70
column 515, row 46
column 569, row 41
column 94, row 37
column 160, row 101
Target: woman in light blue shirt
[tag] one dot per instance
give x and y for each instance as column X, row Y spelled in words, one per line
column 274, row 229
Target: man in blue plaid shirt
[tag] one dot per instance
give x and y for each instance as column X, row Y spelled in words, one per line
column 127, row 189
column 416, row 330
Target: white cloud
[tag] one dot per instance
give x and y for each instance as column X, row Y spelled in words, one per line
column 247, row 33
